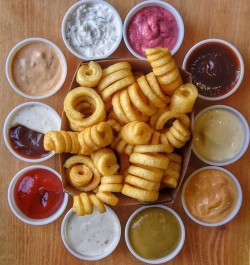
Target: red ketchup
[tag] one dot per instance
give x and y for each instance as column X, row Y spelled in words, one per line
column 215, row 69
column 27, row 143
column 151, row 27
column 38, row 193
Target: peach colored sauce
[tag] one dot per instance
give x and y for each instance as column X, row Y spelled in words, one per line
column 210, row 196
column 36, row 68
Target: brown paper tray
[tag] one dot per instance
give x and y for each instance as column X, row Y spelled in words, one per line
column 166, row 195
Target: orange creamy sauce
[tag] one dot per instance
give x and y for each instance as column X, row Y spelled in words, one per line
column 36, row 68
column 210, row 196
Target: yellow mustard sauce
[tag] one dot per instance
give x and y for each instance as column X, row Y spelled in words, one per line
column 210, row 195
column 154, row 232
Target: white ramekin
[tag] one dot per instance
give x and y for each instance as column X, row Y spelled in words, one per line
column 17, row 111
column 169, row 256
column 233, row 49
column 69, row 13
column 158, row 3
column 11, row 56
column 237, row 205
column 19, row 214
column 84, row 219
column 246, row 139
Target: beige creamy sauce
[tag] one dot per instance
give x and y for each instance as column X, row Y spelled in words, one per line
column 36, row 68
column 210, row 196
column 218, row 135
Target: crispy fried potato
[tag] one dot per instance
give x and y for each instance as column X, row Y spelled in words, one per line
column 89, row 74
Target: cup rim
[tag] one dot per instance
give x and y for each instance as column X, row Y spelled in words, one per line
column 71, row 49
column 90, row 258
column 18, row 213
column 237, row 206
column 236, row 52
column 11, row 55
column 160, row 3
column 173, row 253
column 6, row 128
column 245, row 144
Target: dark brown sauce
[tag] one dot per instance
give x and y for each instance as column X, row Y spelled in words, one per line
column 215, row 69
column 27, row 143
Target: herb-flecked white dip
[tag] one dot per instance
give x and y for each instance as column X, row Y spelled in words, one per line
column 92, row 29
column 93, row 234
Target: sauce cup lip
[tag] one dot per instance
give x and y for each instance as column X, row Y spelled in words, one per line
column 18, row 213
column 173, row 253
column 63, row 30
column 237, row 206
column 238, row 55
column 90, row 258
column 245, row 142
column 6, row 127
column 159, row 3
column 11, row 55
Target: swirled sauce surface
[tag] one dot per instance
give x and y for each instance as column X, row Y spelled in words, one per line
column 26, row 129
column 38, row 193
column 26, row 142
column 210, row 196
column 150, row 27
column 218, row 135
column 215, row 69
column 36, row 68
column 92, row 30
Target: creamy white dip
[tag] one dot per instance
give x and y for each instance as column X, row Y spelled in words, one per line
column 92, row 235
column 93, row 30
column 218, row 135
column 38, row 117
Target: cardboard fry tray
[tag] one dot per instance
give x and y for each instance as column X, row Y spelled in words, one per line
column 166, row 195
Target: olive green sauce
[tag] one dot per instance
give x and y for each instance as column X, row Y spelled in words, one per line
column 154, row 233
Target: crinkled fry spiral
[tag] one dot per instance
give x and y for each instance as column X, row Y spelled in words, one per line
column 109, row 184
column 79, row 166
column 84, row 94
column 165, row 69
column 140, row 101
column 139, row 194
column 114, row 68
column 89, row 74
column 153, row 83
column 84, row 204
column 146, row 172
column 142, row 183
column 150, row 159
column 121, row 146
column 124, row 109
column 115, row 78
column 177, row 135
column 107, row 197
column 184, row 98
column 149, row 92
column 95, row 137
column 169, row 115
column 173, row 172
column 136, row 132
column 116, row 126
column 61, row 142
column 152, row 148
column 105, row 161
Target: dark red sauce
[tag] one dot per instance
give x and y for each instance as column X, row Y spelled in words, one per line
column 27, row 143
column 215, row 69
column 38, row 193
